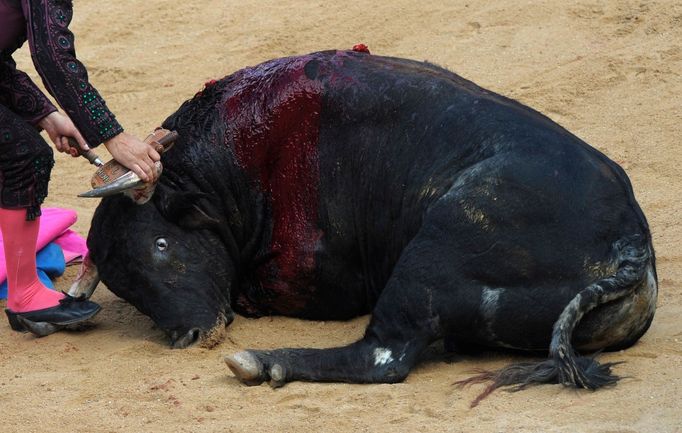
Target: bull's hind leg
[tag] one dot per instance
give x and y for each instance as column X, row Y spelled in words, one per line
column 564, row 365
column 403, row 323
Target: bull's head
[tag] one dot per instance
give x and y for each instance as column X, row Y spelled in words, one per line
column 166, row 254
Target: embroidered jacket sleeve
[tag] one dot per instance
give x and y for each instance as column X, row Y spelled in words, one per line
column 20, row 94
column 54, row 56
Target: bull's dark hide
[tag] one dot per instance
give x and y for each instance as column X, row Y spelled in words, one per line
column 339, row 183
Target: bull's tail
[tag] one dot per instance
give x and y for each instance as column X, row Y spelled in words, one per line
column 564, row 365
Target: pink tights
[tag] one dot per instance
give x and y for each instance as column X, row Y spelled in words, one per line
column 25, row 291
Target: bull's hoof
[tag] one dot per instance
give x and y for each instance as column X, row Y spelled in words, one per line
column 246, row 367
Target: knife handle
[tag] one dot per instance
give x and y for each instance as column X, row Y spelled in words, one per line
column 87, row 154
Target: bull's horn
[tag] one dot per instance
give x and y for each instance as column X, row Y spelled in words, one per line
column 86, row 280
column 127, row 181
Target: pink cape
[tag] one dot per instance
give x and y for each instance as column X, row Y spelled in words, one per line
column 54, row 227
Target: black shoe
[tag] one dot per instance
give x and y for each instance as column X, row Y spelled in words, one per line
column 48, row 320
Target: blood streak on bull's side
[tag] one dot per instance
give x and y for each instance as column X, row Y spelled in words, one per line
column 273, row 117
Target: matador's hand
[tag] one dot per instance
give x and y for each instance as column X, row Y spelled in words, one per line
column 59, row 128
column 134, row 154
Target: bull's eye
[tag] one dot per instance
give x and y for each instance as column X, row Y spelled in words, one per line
column 161, row 244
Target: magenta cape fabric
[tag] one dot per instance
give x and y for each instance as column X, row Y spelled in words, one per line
column 54, row 227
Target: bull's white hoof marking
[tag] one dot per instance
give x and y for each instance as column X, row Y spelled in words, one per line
column 382, row 356
column 246, row 367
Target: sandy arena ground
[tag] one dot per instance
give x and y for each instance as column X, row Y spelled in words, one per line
column 608, row 71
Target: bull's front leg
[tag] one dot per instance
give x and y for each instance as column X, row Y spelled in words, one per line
column 420, row 296
column 376, row 358
column 403, row 324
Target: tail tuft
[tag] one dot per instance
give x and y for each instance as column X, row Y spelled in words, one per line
column 582, row 372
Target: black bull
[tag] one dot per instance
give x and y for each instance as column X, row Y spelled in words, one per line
column 338, row 183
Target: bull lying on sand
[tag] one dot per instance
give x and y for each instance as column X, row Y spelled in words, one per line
column 339, row 183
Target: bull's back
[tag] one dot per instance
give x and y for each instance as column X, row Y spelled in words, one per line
column 397, row 135
column 353, row 149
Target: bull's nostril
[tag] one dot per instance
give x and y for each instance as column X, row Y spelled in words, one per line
column 186, row 340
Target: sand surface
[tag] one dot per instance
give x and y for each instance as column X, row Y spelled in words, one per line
column 608, row 71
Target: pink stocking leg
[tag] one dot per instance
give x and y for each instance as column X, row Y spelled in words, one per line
column 25, row 291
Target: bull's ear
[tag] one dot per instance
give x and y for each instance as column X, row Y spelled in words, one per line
column 190, row 210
